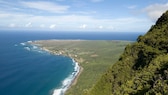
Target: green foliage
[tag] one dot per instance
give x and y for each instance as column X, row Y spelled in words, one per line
column 108, row 52
column 143, row 67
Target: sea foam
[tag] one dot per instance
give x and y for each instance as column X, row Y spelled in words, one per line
column 23, row 44
column 68, row 81
column 30, row 47
column 27, row 48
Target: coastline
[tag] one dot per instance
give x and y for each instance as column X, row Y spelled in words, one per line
column 77, row 68
column 76, row 77
column 92, row 55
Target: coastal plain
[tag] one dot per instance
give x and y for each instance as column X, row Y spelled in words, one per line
column 93, row 56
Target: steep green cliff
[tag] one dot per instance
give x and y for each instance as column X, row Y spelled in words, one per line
column 143, row 67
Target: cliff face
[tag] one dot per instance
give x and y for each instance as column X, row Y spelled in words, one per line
column 143, row 67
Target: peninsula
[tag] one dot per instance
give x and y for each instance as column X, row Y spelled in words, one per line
column 94, row 58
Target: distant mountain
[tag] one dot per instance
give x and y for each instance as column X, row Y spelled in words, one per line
column 143, row 67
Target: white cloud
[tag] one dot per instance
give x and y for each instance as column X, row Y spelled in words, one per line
column 83, row 26
column 12, row 25
column 111, row 28
column 52, row 26
column 42, row 25
column 156, row 10
column 84, row 20
column 74, row 22
column 4, row 15
column 46, row 6
column 28, row 24
column 100, row 27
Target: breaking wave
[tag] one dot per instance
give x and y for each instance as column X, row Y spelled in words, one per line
column 30, row 47
column 68, row 81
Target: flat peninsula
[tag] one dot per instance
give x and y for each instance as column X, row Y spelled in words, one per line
column 93, row 56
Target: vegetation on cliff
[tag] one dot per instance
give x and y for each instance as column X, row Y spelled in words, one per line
column 143, row 67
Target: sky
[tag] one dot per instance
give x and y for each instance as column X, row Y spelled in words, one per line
column 81, row 15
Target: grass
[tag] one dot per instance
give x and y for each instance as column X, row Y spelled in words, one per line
column 94, row 56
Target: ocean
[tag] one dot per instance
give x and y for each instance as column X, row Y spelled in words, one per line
column 27, row 70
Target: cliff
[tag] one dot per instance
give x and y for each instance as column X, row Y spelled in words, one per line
column 143, row 67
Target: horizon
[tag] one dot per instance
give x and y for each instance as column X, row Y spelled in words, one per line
column 67, row 31
column 80, row 15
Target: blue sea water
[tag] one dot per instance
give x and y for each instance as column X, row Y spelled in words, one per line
column 28, row 70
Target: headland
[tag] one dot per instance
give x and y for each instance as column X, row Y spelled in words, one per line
column 92, row 56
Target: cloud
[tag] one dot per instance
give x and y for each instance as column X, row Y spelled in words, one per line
column 12, row 25
column 52, row 26
column 73, row 22
column 100, row 27
column 37, row 12
column 46, row 6
column 111, row 28
column 156, row 10
column 83, row 26
column 28, row 24
column 42, row 25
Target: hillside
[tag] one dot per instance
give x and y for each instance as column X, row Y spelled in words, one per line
column 143, row 67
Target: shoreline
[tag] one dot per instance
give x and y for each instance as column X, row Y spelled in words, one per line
column 75, row 80
column 76, row 75
column 91, row 55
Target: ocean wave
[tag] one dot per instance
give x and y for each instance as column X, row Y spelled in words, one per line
column 58, row 92
column 30, row 47
column 68, row 81
column 23, row 44
column 35, row 47
column 27, row 48
column 29, row 41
